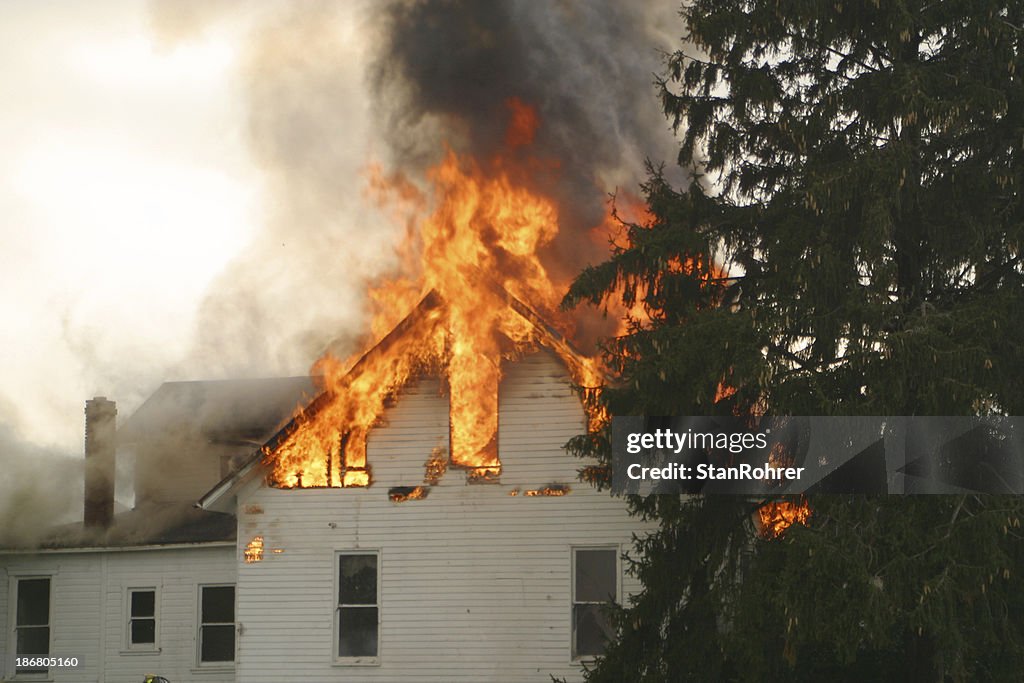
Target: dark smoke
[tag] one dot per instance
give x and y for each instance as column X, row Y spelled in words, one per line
column 332, row 86
column 445, row 70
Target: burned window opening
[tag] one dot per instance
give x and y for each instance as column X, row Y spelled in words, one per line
column 473, row 419
column 401, row 494
column 356, row 477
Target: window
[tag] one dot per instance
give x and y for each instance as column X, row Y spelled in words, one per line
column 141, row 618
column 32, row 621
column 357, row 614
column 595, row 584
column 216, row 624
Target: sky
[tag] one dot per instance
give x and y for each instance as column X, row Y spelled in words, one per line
column 128, row 185
column 125, row 187
column 183, row 182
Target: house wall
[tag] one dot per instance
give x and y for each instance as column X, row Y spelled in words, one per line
column 475, row 579
column 89, row 617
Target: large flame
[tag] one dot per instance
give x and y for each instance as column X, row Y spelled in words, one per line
column 471, row 257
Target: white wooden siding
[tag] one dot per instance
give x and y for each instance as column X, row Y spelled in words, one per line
column 475, row 582
column 89, row 613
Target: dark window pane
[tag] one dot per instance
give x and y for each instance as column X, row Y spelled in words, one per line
column 358, row 580
column 592, row 629
column 357, row 632
column 33, row 602
column 33, row 640
column 143, row 631
column 218, row 604
column 595, row 575
column 143, row 603
column 218, row 644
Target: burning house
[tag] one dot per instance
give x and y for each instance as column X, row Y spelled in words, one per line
column 378, row 554
column 416, row 517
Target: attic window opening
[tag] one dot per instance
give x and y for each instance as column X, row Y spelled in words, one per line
column 353, row 470
column 473, row 425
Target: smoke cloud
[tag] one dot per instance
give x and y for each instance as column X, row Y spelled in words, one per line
column 39, row 487
column 327, row 87
column 445, row 71
column 330, row 87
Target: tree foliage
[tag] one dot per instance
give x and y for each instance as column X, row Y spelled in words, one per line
column 850, row 244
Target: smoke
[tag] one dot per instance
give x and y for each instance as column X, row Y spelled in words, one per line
column 330, row 87
column 445, row 71
column 39, row 487
column 327, row 87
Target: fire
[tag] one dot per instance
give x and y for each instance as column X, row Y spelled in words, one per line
column 550, row 490
column 776, row 516
column 471, row 260
column 254, row 550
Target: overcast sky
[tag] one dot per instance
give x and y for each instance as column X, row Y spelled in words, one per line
column 127, row 186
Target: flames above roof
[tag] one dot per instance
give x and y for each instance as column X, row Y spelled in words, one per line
column 472, row 257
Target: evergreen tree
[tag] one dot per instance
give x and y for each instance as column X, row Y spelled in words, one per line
column 850, row 245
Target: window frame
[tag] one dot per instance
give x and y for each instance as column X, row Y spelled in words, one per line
column 336, row 659
column 129, row 646
column 220, row 664
column 16, row 577
column 573, row 550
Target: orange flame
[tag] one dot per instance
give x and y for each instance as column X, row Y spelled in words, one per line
column 778, row 515
column 471, row 258
column 253, row 550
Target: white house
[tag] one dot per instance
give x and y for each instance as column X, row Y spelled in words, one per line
column 218, row 576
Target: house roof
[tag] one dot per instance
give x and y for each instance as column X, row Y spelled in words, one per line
column 149, row 525
column 546, row 334
column 222, row 410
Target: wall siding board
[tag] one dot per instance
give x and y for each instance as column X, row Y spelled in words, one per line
column 475, row 581
column 89, row 618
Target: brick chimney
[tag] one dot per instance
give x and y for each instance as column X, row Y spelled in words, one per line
column 100, row 427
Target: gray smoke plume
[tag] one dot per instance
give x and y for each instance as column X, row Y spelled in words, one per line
column 39, row 487
column 446, row 69
column 330, row 87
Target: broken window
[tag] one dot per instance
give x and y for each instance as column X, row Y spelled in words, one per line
column 32, row 622
column 141, row 618
column 216, row 624
column 358, row 605
column 595, row 584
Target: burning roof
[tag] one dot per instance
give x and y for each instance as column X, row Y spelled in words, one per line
column 474, row 253
column 325, row 443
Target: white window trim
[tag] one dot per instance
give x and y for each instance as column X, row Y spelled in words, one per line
column 209, row 666
column 14, row 576
column 336, row 619
column 582, row 659
column 128, row 648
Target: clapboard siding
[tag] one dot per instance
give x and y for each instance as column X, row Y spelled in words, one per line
column 89, row 618
column 475, row 581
